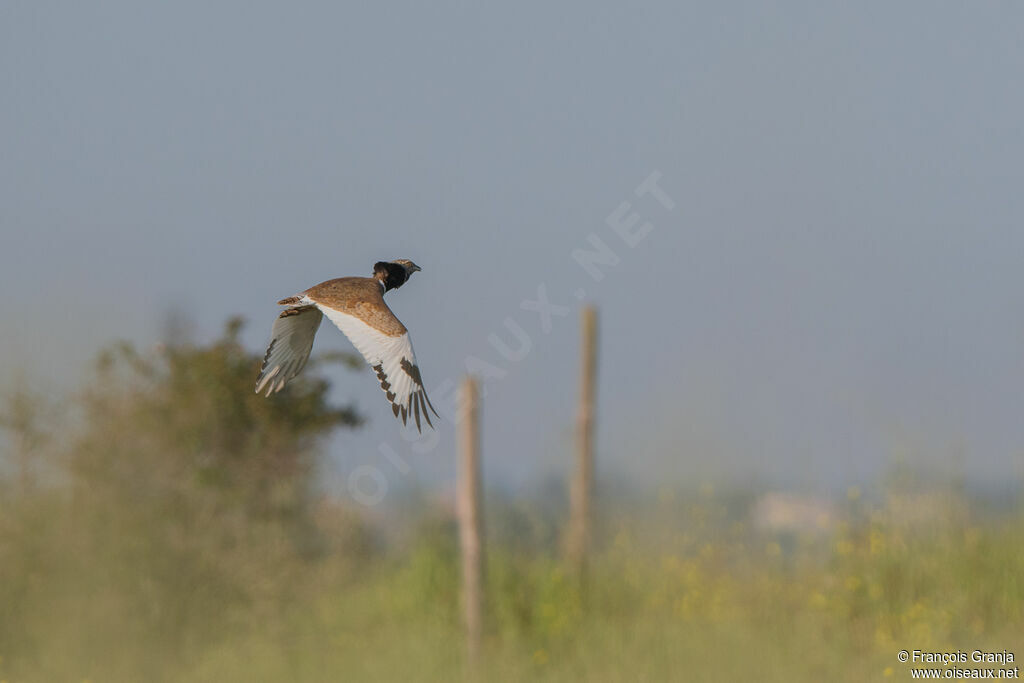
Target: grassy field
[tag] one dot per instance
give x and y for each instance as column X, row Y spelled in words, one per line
column 172, row 531
column 686, row 591
column 706, row 602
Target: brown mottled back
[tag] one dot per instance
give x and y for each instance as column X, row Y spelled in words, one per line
column 361, row 297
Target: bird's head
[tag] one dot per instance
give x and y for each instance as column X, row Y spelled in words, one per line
column 409, row 266
column 394, row 273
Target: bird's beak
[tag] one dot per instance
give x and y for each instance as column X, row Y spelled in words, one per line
column 414, row 268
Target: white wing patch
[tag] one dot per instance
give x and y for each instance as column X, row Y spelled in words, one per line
column 290, row 342
column 394, row 361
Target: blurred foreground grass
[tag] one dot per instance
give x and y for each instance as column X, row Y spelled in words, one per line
column 718, row 603
column 714, row 603
column 174, row 532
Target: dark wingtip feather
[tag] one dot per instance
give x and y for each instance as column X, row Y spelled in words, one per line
column 427, row 398
column 426, row 413
column 416, row 410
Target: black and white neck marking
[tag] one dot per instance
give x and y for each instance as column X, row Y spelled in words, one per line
column 391, row 275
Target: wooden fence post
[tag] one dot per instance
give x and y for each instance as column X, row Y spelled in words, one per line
column 470, row 516
column 583, row 476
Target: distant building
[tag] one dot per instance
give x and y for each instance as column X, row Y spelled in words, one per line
column 790, row 512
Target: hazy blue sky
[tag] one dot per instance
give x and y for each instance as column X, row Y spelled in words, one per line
column 839, row 282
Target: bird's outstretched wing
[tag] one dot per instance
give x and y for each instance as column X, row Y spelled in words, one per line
column 290, row 342
column 391, row 356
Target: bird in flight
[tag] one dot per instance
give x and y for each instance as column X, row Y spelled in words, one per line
column 356, row 306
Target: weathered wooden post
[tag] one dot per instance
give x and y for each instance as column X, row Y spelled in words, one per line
column 583, row 476
column 470, row 516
